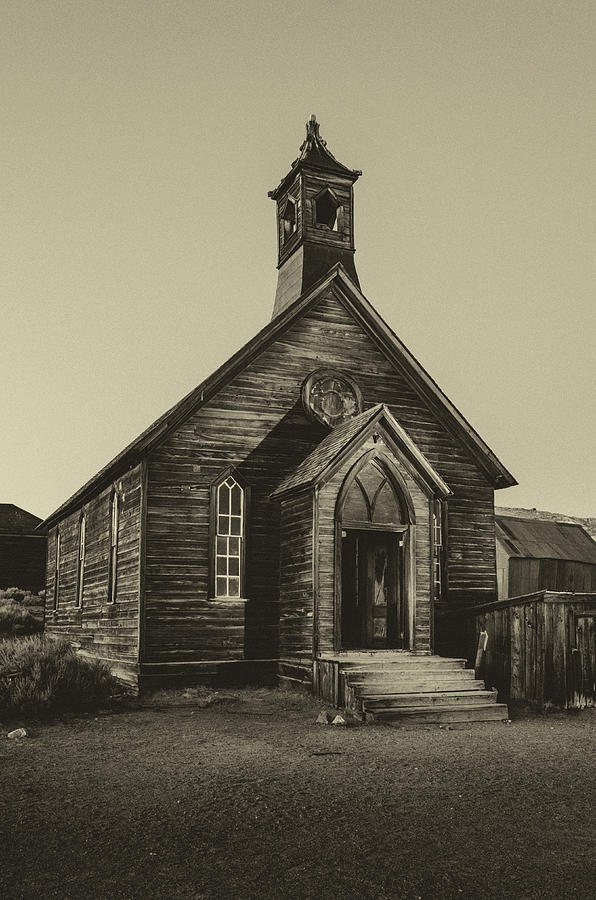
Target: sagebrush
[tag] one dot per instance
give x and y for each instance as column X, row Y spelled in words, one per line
column 16, row 619
column 41, row 677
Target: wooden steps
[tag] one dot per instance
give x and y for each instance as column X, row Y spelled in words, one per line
column 443, row 715
column 405, row 689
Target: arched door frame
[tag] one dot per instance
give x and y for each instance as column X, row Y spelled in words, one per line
column 408, row 530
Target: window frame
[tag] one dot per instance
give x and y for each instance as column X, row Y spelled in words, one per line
column 287, row 233
column 81, row 553
column 214, row 534
column 337, row 226
column 438, row 545
column 57, row 555
column 113, row 534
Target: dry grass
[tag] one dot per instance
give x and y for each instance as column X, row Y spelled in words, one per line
column 41, row 678
column 16, row 620
column 249, row 799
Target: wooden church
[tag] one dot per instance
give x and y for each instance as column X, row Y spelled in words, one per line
column 310, row 513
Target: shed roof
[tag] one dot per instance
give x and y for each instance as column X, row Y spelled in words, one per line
column 544, row 539
column 14, row 520
column 343, row 438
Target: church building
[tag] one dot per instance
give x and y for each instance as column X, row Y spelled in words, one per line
column 316, row 506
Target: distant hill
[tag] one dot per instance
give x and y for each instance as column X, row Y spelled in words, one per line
column 589, row 524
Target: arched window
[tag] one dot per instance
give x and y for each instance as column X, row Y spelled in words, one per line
column 229, row 501
column 81, row 560
column 372, row 499
column 113, row 557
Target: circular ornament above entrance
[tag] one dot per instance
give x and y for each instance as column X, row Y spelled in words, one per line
column 331, row 397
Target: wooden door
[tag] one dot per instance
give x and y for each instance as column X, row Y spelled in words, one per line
column 372, row 607
column 583, row 661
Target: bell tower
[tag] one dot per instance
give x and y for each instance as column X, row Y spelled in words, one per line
column 315, row 219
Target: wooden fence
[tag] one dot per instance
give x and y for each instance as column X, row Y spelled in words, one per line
column 540, row 649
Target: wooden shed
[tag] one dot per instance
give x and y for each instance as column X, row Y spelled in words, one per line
column 23, row 549
column 311, row 506
column 541, row 554
column 540, row 648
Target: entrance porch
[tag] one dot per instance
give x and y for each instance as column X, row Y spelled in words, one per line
column 405, row 688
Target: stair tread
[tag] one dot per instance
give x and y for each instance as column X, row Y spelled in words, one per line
column 404, row 661
column 406, row 682
column 411, row 667
column 428, row 694
column 417, row 678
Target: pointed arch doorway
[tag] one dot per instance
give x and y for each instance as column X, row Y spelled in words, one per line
column 374, row 526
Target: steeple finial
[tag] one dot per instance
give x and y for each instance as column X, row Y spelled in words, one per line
column 312, row 130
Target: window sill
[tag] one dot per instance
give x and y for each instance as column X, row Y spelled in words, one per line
column 228, row 600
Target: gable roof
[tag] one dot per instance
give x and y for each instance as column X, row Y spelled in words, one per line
column 363, row 311
column 14, row 520
column 544, row 539
column 343, row 440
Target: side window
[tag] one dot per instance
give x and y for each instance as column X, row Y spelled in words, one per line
column 288, row 219
column 327, row 209
column 229, row 499
column 113, row 558
column 57, row 571
column 438, row 547
column 81, row 560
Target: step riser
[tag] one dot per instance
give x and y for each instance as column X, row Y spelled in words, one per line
column 470, row 698
column 463, row 677
column 392, row 690
column 492, row 713
column 411, row 671
column 408, row 686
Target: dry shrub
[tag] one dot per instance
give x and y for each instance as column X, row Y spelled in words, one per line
column 42, row 677
column 16, row 620
column 13, row 593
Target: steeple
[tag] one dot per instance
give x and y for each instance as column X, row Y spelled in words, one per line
column 315, row 219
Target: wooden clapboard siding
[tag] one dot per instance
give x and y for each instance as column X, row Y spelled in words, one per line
column 109, row 631
column 256, row 424
column 326, row 554
column 342, row 188
column 296, row 589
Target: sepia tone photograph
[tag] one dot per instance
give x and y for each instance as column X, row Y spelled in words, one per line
column 298, row 482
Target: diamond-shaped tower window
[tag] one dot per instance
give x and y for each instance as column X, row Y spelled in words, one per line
column 326, row 207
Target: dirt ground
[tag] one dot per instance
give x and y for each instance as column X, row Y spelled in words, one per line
column 250, row 799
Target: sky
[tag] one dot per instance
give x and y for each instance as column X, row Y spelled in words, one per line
column 138, row 252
